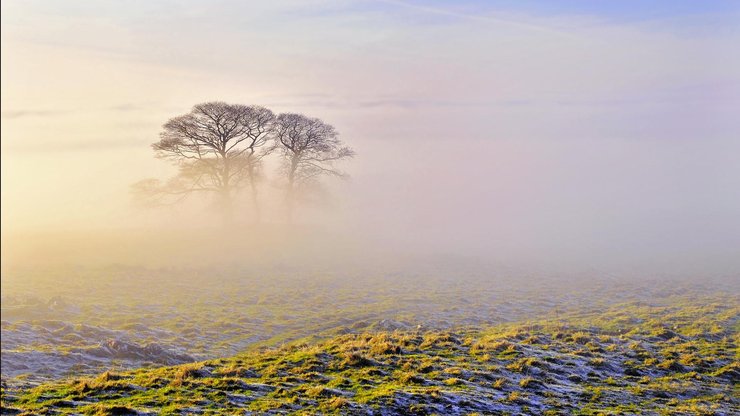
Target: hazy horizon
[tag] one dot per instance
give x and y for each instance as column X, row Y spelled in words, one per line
column 370, row 207
column 512, row 132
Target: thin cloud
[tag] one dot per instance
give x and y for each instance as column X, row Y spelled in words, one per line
column 33, row 113
column 125, row 107
column 328, row 101
column 477, row 18
column 74, row 146
column 15, row 114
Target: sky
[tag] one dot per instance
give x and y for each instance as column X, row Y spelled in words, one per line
column 589, row 132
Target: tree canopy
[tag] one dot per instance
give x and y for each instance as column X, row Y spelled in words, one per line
column 218, row 149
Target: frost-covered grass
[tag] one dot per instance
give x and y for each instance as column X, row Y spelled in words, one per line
column 678, row 355
column 59, row 323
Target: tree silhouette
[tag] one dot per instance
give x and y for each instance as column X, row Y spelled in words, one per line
column 309, row 148
column 218, row 149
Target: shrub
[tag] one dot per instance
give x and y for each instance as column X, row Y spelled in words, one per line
column 355, row 359
column 335, row 403
column 527, row 382
column 452, row 381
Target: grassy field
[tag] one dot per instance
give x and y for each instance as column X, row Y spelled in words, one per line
column 83, row 321
column 439, row 341
column 679, row 357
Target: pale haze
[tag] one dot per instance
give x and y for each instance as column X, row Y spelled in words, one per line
column 511, row 132
column 373, row 207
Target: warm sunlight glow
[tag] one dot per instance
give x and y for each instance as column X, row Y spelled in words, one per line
column 370, row 206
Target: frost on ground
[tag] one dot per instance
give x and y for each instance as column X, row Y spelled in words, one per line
column 85, row 321
column 675, row 355
column 44, row 350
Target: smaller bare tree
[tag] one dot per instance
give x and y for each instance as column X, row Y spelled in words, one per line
column 309, row 149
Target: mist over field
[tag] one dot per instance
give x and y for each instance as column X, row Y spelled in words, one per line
column 584, row 141
column 370, row 207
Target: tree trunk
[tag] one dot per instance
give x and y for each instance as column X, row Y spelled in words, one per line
column 289, row 200
column 255, row 200
column 226, row 202
column 290, row 194
column 227, row 209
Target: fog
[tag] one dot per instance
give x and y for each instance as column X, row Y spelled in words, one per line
column 369, row 206
column 551, row 142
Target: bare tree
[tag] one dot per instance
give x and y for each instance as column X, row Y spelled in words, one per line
column 217, row 148
column 309, row 148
